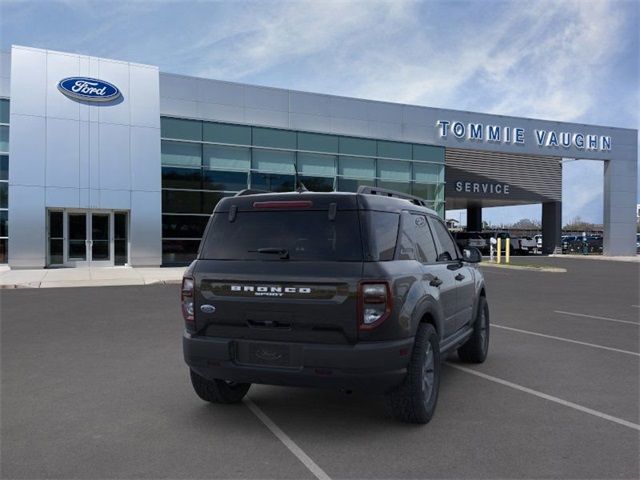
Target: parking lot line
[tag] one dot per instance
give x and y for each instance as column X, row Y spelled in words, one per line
column 287, row 441
column 551, row 398
column 596, row 317
column 566, row 340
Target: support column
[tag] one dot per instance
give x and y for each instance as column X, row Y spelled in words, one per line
column 474, row 218
column 551, row 226
column 620, row 192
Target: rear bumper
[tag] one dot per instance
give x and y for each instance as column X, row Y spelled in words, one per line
column 367, row 367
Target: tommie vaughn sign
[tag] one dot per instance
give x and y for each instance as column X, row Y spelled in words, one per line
column 479, row 132
column 88, row 89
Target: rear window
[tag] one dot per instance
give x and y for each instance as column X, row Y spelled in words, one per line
column 303, row 235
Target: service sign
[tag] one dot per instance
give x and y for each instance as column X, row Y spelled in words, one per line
column 88, row 89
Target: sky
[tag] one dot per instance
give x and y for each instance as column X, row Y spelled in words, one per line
column 566, row 60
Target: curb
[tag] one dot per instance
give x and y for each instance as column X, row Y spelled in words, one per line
column 63, row 284
column 523, row 267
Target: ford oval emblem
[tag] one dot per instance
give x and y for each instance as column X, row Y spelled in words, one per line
column 89, row 89
column 207, row 308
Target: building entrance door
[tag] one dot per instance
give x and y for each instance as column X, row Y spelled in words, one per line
column 82, row 238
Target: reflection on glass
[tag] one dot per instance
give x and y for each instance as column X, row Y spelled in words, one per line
column 77, row 236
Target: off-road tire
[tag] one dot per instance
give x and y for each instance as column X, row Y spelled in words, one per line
column 475, row 349
column 218, row 391
column 410, row 402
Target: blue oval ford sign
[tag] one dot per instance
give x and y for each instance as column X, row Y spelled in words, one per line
column 89, row 89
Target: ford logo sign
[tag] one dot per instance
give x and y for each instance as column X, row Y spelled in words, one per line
column 89, row 89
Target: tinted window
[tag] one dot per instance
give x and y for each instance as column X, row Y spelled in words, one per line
column 174, row 177
column 305, row 235
column 229, row 181
column 382, row 233
column 416, row 242
column 449, row 251
column 183, row 226
column 272, row 182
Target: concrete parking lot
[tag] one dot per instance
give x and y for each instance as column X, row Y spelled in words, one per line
column 94, row 386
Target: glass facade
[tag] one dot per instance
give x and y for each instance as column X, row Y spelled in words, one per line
column 4, row 179
column 203, row 162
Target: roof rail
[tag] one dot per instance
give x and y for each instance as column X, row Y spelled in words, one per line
column 250, row 191
column 391, row 193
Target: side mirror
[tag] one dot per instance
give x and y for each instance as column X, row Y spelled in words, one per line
column 471, row 255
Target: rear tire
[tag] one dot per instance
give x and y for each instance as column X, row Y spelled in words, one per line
column 475, row 349
column 415, row 400
column 218, row 391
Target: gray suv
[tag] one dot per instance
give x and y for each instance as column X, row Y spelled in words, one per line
column 358, row 291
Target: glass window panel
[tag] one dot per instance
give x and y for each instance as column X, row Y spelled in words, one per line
column 183, row 226
column 276, row 161
column 4, row 257
column 272, row 182
column 428, row 153
column 211, row 199
column 349, row 185
column 317, row 184
column 179, row 153
column 56, row 225
column 4, row 138
column 449, row 250
column 179, row 252
column 77, row 236
column 227, row 158
column 357, row 167
column 394, row 150
column 391, row 170
column 427, row 191
column 120, row 241
column 182, row 129
column 4, row 195
column 229, row 181
column 316, row 142
column 428, row 172
column 358, row 146
column 4, row 167
column 4, row 223
column 4, row 111
column 271, row 137
column 176, row 201
column 316, row 164
column 397, row 186
column 175, row 177
column 55, row 251
column 225, row 133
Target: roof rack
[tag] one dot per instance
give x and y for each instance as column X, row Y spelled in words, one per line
column 250, row 191
column 391, row 193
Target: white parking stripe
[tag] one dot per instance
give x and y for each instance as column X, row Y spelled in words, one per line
column 596, row 317
column 286, row 440
column 566, row 340
column 551, row 398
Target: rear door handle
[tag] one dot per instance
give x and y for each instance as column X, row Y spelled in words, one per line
column 459, row 277
column 435, row 282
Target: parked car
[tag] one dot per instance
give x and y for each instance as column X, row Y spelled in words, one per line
column 471, row 239
column 285, row 291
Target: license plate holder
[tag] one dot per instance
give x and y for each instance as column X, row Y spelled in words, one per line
column 266, row 354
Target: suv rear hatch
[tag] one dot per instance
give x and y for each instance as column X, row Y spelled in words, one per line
column 281, row 269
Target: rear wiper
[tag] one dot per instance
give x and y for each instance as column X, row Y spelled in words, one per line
column 283, row 252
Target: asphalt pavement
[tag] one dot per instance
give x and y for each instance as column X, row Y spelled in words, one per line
column 94, row 386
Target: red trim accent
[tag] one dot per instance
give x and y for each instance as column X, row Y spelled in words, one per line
column 360, row 309
column 284, row 204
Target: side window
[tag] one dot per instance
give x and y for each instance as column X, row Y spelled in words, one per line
column 382, row 232
column 416, row 241
column 448, row 247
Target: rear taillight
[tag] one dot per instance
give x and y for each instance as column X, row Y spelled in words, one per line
column 186, row 299
column 374, row 304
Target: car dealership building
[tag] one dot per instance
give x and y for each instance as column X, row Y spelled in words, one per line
column 106, row 162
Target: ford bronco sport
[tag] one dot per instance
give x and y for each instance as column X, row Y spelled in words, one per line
column 358, row 291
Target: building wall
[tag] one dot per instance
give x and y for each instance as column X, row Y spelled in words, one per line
column 71, row 154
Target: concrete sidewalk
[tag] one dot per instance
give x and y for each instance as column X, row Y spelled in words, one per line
column 89, row 277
